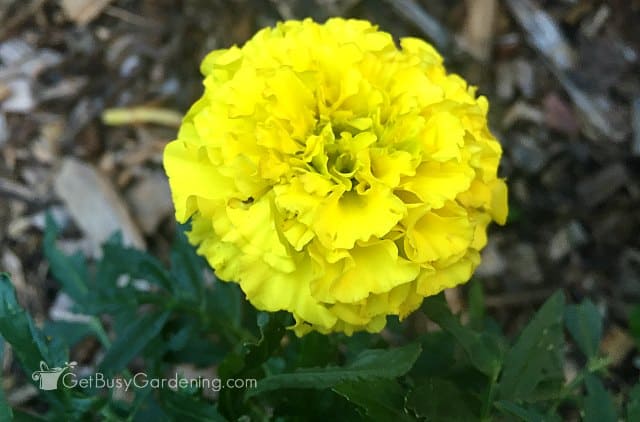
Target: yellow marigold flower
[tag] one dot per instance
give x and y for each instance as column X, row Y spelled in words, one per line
column 332, row 175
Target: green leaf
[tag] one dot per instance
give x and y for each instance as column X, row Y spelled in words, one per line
column 225, row 302
column 249, row 361
column 272, row 329
column 483, row 350
column 437, row 399
column 585, row 326
column 190, row 343
column 527, row 415
column 633, row 404
column 186, row 267
column 381, row 400
column 132, row 340
column 71, row 332
column 18, row 329
column 598, row 404
column 476, row 305
column 440, row 356
column 70, row 271
column 315, row 349
column 29, row 344
column 146, row 407
column 314, row 405
column 82, row 406
column 536, row 356
column 118, row 259
column 369, row 365
column 23, row 416
column 180, row 406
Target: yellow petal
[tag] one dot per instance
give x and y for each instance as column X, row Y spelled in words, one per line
column 438, row 234
column 273, row 291
column 374, row 268
column 191, row 175
column 344, row 218
column 435, row 183
column 390, row 167
column 499, row 208
column 254, row 228
column 432, row 283
column 443, row 137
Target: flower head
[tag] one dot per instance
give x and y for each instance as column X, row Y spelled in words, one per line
column 336, row 176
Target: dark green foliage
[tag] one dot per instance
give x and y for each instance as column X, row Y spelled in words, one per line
column 585, row 326
column 132, row 340
column 633, row 405
column 534, row 363
column 454, row 403
column 483, row 350
column 378, row 400
column 370, row 365
column 150, row 320
column 598, row 403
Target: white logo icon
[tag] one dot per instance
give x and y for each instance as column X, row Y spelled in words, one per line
column 49, row 377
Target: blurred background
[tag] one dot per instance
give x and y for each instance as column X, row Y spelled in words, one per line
column 92, row 90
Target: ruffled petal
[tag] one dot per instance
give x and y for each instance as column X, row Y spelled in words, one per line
column 444, row 137
column 432, row 283
column 435, row 183
column 192, row 175
column 371, row 269
column 438, row 235
column 346, row 217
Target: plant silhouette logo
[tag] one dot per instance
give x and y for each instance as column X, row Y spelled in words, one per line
column 48, row 377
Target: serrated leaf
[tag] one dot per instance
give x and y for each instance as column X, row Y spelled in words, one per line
column 369, row 365
column 537, row 354
column 440, row 357
column 132, row 340
column 248, row 362
column 29, row 344
column 585, row 326
column 381, row 400
column 118, row 259
column 436, row 399
column 483, row 350
column 17, row 328
column 70, row 271
column 526, row 415
column 598, row 404
column 272, row 329
column 314, row 405
column 633, row 404
column 186, row 266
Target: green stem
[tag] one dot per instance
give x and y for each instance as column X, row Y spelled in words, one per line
column 232, row 333
column 488, row 403
column 593, row 366
column 100, row 332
